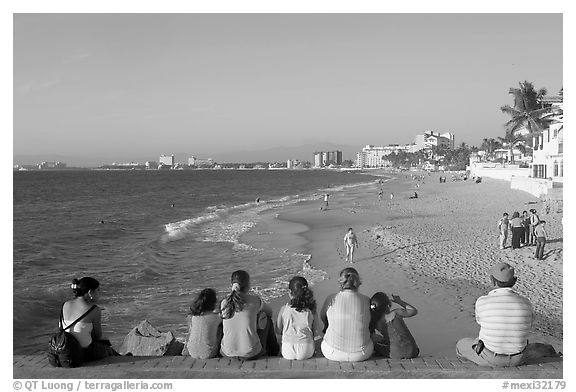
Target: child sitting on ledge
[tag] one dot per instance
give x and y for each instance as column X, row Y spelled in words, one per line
column 390, row 335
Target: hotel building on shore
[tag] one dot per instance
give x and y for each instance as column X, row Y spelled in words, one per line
column 166, row 160
column 326, row 158
column 548, row 154
column 374, row 156
column 431, row 139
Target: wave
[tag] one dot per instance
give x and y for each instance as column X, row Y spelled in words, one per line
column 227, row 223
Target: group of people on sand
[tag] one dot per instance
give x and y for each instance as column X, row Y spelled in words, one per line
column 527, row 230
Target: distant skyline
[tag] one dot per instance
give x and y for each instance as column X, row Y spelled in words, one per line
column 131, row 85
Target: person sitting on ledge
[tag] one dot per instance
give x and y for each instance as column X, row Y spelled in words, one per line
column 297, row 321
column 205, row 326
column 346, row 318
column 391, row 336
column 248, row 330
column 505, row 320
column 88, row 331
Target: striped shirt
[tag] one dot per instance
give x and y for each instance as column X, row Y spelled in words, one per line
column 348, row 314
column 505, row 320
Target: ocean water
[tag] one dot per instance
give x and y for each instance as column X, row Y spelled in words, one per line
column 149, row 256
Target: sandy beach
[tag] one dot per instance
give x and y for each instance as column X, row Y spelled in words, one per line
column 434, row 251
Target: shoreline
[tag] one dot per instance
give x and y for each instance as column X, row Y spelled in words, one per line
column 400, row 252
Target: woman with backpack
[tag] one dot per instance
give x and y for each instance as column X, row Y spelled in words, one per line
column 87, row 331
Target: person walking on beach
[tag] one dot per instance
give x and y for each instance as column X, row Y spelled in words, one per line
column 297, row 321
column 351, row 243
column 517, row 229
column 505, row 320
column 391, row 336
column 380, row 194
column 541, row 236
column 534, row 219
column 503, row 226
column 326, row 196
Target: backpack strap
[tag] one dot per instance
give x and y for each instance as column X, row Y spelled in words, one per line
column 77, row 320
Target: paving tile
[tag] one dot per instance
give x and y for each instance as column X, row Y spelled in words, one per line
column 260, row 364
column 444, row 364
column 247, row 365
column 272, row 363
column 284, row 364
column 322, row 363
column 333, row 365
column 297, row 365
column 346, row 366
column 148, row 363
column 309, row 364
column 198, row 364
column 359, row 366
column 380, row 364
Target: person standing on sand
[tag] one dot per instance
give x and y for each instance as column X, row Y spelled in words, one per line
column 503, row 226
column 326, row 196
column 351, row 243
column 534, row 219
column 541, row 236
column 505, row 320
column 517, row 229
column 526, row 225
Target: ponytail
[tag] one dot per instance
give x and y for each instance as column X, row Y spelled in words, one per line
column 234, row 302
column 302, row 297
column 82, row 286
column 349, row 279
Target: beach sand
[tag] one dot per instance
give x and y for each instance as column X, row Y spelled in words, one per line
column 434, row 252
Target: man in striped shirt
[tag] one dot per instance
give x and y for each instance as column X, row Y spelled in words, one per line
column 505, row 320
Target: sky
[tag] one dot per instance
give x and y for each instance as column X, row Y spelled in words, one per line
column 112, row 85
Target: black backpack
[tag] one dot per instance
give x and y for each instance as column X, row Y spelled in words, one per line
column 63, row 348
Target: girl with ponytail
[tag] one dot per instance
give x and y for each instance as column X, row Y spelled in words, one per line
column 248, row 331
column 297, row 321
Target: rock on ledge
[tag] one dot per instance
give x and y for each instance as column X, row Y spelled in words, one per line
column 146, row 340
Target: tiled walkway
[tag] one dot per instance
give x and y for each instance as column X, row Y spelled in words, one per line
column 180, row 367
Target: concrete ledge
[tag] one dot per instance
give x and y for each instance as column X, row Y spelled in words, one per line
column 181, row 367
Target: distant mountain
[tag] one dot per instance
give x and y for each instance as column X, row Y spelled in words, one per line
column 277, row 154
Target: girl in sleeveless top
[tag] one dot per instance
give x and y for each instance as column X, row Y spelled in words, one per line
column 391, row 336
column 205, row 326
column 248, row 331
column 297, row 321
column 88, row 331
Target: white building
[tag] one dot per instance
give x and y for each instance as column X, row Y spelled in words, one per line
column 548, row 155
column 325, row 158
column 434, row 139
column 373, row 156
column 166, row 160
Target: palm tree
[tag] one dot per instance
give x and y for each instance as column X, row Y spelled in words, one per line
column 490, row 145
column 527, row 113
column 513, row 141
